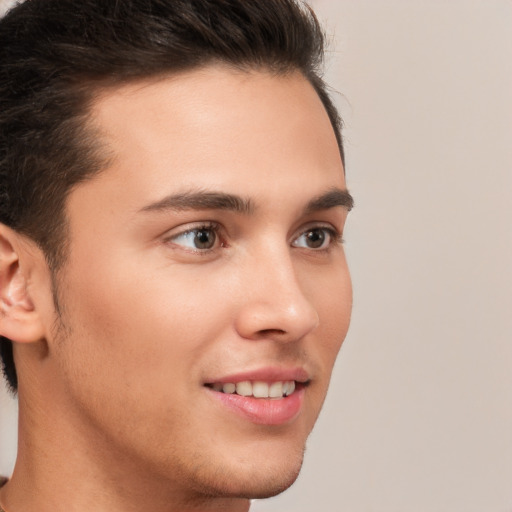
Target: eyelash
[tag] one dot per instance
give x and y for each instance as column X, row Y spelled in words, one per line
column 335, row 238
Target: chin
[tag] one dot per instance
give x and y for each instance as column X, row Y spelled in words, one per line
column 255, row 481
column 271, row 487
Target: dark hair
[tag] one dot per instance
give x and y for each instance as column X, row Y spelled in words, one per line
column 55, row 55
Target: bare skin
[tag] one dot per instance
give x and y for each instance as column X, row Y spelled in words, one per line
column 208, row 253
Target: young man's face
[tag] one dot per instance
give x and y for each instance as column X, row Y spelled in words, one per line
column 207, row 255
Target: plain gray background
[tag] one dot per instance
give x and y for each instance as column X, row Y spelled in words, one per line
column 419, row 415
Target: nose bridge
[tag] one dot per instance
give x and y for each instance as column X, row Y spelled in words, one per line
column 275, row 302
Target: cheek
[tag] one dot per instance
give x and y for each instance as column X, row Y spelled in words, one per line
column 334, row 306
column 333, row 301
column 137, row 345
column 130, row 325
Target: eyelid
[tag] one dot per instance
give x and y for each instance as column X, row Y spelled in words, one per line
column 328, row 226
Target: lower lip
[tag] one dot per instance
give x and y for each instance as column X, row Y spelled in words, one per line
column 264, row 411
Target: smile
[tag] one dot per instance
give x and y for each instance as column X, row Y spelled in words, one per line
column 257, row 389
column 269, row 396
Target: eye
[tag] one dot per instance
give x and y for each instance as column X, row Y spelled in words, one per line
column 201, row 238
column 315, row 238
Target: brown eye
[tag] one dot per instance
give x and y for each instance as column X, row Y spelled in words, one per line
column 316, row 239
column 202, row 238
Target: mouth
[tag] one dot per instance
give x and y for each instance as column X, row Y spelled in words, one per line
column 266, row 397
column 258, row 389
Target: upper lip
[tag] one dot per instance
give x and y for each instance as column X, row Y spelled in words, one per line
column 266, row 374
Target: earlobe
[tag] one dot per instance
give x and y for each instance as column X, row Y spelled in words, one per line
column 19, row 319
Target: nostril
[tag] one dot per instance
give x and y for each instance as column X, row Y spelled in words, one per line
column 271, row 332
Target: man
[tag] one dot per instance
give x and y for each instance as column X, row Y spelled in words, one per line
column 174, row 290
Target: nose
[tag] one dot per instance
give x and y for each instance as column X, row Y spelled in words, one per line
column 274, row 304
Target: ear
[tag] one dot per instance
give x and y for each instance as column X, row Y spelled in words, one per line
column 19, row 319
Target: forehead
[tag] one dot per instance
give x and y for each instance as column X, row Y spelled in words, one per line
column 217, row 128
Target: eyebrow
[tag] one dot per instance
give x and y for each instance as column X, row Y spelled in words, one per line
column 201, row 200
column 204, row 200
column 331, row 199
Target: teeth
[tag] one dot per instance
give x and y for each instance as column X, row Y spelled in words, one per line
column 257, row 389
column 260, row 390
column 244, row 388
column 275, row 390
column 228, row 388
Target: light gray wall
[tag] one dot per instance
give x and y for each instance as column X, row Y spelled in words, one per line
column 8, row 434
column 419, row 416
